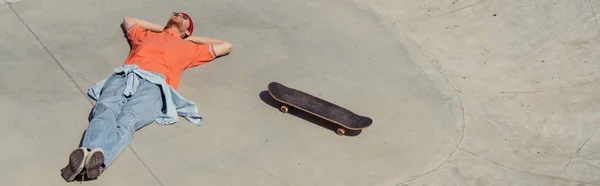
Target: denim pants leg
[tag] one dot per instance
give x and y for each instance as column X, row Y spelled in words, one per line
column 116, row 117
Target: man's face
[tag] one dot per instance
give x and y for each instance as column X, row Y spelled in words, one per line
column 180, row 21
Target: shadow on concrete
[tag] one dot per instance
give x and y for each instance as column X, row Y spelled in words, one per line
column 125, row 35
column 90, row 117
column 81, row 140
column 266, row 97
column 83, row 178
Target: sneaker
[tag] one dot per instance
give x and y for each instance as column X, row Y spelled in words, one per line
column 76, row 164
column 93, row 163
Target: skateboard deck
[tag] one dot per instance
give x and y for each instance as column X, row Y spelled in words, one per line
column 318, row 107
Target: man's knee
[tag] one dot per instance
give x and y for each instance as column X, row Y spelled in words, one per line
column 107, row 105
column 126, row 121
column 126, row 117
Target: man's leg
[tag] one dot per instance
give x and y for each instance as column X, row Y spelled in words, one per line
column 140, row 110
column 101, row 128
column 101, row 132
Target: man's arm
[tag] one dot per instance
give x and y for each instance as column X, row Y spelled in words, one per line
column 128, row 22
column 219, row 47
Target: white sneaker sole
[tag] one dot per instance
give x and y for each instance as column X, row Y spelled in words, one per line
column 93, row 163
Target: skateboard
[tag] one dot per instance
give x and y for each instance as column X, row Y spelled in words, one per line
column 345, row 118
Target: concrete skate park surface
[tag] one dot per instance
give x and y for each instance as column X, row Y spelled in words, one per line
column 463, row 92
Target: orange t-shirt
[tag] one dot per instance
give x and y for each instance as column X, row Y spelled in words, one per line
column 165, row 53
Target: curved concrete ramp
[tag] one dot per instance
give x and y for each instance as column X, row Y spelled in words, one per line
column 466, row 92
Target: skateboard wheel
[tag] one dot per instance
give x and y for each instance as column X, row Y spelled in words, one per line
column 284, row 109
column 340, row 131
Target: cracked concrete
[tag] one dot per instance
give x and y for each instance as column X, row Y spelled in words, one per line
column 462, row 92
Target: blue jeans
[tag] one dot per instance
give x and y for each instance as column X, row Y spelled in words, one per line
column 116, row 117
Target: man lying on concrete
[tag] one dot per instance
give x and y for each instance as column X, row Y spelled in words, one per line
column 142, row 90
